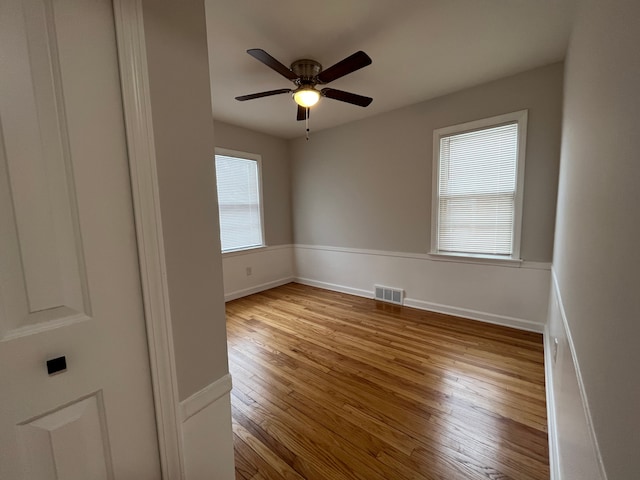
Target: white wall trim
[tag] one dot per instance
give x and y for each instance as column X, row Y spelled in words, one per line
column 552, row 421
column 428, row 284
column 503, row 320
column 257, row 288
column 205, row 397
column 249, row 251
column 583, row 394
column 334, row 287
column 427, row 256
column 146, row 201
column 252, row 271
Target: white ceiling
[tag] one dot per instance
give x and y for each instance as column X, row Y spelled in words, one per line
column 420, row 49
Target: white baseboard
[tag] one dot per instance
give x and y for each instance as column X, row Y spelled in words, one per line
column 498, row 294
column 552, row 421
column 580, row 401
column 256, row 289
column 205, row 397
column 252, row 271
column 334, row 287
column 486, row 317
column 434, row 307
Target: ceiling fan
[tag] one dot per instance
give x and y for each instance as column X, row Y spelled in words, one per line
column 306, row 74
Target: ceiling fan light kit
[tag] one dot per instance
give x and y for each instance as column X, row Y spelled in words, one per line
column 306, row 96
column 306, row 74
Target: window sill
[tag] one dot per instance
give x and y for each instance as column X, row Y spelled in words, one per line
column 481, row 259
column 242, row 251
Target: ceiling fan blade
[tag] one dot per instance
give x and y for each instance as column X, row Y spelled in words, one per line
column 303, row 113
column 350, row 64
column 348, row 97
column 251, row 96
column 271, row 62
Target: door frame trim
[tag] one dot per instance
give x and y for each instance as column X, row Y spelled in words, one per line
column 132, row 55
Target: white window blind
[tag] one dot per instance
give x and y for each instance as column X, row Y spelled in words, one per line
column 239, row 202
column 477, row 181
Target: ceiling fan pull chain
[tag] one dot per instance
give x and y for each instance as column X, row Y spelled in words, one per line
column 306, row 118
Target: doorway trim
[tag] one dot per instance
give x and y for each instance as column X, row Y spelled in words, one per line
column 134, row 77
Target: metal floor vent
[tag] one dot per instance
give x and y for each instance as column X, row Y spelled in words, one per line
column 388, row 294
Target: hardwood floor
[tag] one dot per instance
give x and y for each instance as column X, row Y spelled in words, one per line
column 332, row 386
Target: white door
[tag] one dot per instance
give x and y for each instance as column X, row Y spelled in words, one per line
column 69, row 277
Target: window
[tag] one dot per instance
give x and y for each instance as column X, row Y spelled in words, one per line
column 477, row 187
column 239, row 200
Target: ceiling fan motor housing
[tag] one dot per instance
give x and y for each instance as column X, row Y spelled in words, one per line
column 306, row 70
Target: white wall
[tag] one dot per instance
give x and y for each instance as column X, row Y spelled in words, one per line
column 176, row 43
column 515, row 296
column 269, row 268
column 572, row 448
column 183, row 129
column 205, row 419
column 512, row 296
column 596, row 256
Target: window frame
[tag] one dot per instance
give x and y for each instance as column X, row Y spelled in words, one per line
column 244, row 156
column 521, row 118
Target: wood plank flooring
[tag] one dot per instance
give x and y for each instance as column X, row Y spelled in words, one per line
column 332, row 386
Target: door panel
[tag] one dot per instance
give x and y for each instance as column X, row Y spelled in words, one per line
column 37, row 170
column 69, row 279
column 70, row 443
